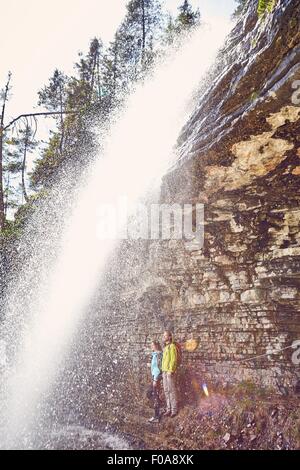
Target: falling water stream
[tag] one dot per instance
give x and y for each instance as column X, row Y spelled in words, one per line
column 47, row 300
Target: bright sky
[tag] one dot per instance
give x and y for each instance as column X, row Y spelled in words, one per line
column 38, row 36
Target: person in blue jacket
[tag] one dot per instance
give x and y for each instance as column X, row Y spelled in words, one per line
column 156, row 376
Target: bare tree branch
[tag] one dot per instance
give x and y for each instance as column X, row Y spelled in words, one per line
column 46, row 113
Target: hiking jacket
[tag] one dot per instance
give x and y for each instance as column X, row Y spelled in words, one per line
column 155, row 364
column 169, row 360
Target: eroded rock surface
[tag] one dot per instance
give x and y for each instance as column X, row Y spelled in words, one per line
column 239, row 295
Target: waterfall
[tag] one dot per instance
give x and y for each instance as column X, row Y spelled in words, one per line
column 47, row 300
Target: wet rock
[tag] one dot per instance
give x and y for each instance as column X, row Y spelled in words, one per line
column 252, row 438
column 274, row 413
column 227, row 437
column 239, row 293
column 253, row 295
column 250, row 419
column 297, row 387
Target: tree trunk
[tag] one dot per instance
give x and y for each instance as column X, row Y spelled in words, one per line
column 62, row 124
column 115, row 69
column 23, row 170
column 98, row 79
column 143, row 30
column 2, row 205
column 6, row 196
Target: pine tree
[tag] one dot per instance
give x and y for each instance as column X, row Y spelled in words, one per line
column 46, row 166
column 170, row 31
column 177, row 28
column 17, row 159
column 90, row 72
column 187, row 18
column 110, row 69
column 64, row 94
column 136, row 39
column 4, row 98
column 53, row 97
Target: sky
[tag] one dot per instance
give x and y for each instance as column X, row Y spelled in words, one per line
column 38, row 36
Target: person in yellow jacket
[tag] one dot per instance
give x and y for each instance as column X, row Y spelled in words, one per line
column 168, row 367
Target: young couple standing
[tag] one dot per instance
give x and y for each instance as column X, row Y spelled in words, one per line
column 163, row 368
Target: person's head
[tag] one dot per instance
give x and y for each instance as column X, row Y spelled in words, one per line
column 167, row 337
column 155, row 345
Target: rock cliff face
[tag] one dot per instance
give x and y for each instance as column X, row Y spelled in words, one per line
column 239, row 295
column 240, row 157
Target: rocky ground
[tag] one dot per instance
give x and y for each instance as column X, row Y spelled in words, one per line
column 241, row 417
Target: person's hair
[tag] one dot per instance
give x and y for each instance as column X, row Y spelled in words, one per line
column 169, row 334
column 157, row 345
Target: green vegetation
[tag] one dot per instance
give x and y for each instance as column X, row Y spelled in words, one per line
column 263, row 6
column 247, row 389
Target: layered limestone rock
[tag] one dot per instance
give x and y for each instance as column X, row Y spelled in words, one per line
column 238, row 295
